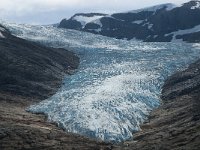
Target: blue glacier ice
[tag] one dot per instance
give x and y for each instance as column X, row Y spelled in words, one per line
column 117, row 84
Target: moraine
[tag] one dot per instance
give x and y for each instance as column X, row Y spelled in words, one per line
column 117, row 84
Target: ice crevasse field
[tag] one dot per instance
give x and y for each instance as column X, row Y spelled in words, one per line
column 117, row 84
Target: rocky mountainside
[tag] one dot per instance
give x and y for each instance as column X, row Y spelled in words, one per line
column 161, row 23
column 30, row 73
column 176, row 124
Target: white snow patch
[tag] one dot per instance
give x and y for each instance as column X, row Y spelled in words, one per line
column 197, row 6
column 148, row 36
column 150, row 25
column 1, row 35
column 84, row 20
column 138, row 21
column 182, row 32
column 196, row 45
column 2, row 29
column 155, row 36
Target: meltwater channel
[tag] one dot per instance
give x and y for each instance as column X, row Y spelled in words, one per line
column 117, row 84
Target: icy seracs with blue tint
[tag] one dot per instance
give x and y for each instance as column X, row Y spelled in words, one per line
column 116, row 86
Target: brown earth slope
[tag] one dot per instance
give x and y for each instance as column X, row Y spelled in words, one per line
column 30, row 73
column 176, row 124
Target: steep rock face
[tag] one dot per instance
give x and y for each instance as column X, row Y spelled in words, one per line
column 152, row 24
column 176, row 124
column 30, row 73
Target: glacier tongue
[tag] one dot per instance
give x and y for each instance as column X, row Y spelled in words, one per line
column 117, row 85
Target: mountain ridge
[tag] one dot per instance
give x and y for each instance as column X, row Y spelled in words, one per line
column 151, row 24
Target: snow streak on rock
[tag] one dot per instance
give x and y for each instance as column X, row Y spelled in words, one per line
column 1, row 34
column 183, row 32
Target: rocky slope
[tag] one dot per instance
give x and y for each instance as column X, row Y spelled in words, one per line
column 176, row 124
column 30, row 73
column 153, row 24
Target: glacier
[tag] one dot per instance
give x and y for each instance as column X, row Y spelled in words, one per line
column 117, row 85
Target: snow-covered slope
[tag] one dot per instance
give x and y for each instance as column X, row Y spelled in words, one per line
column 167, row 6
column 116, row 86
column 1, row 35
column 197, row 6
column 183, row 32
column 1, row 32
